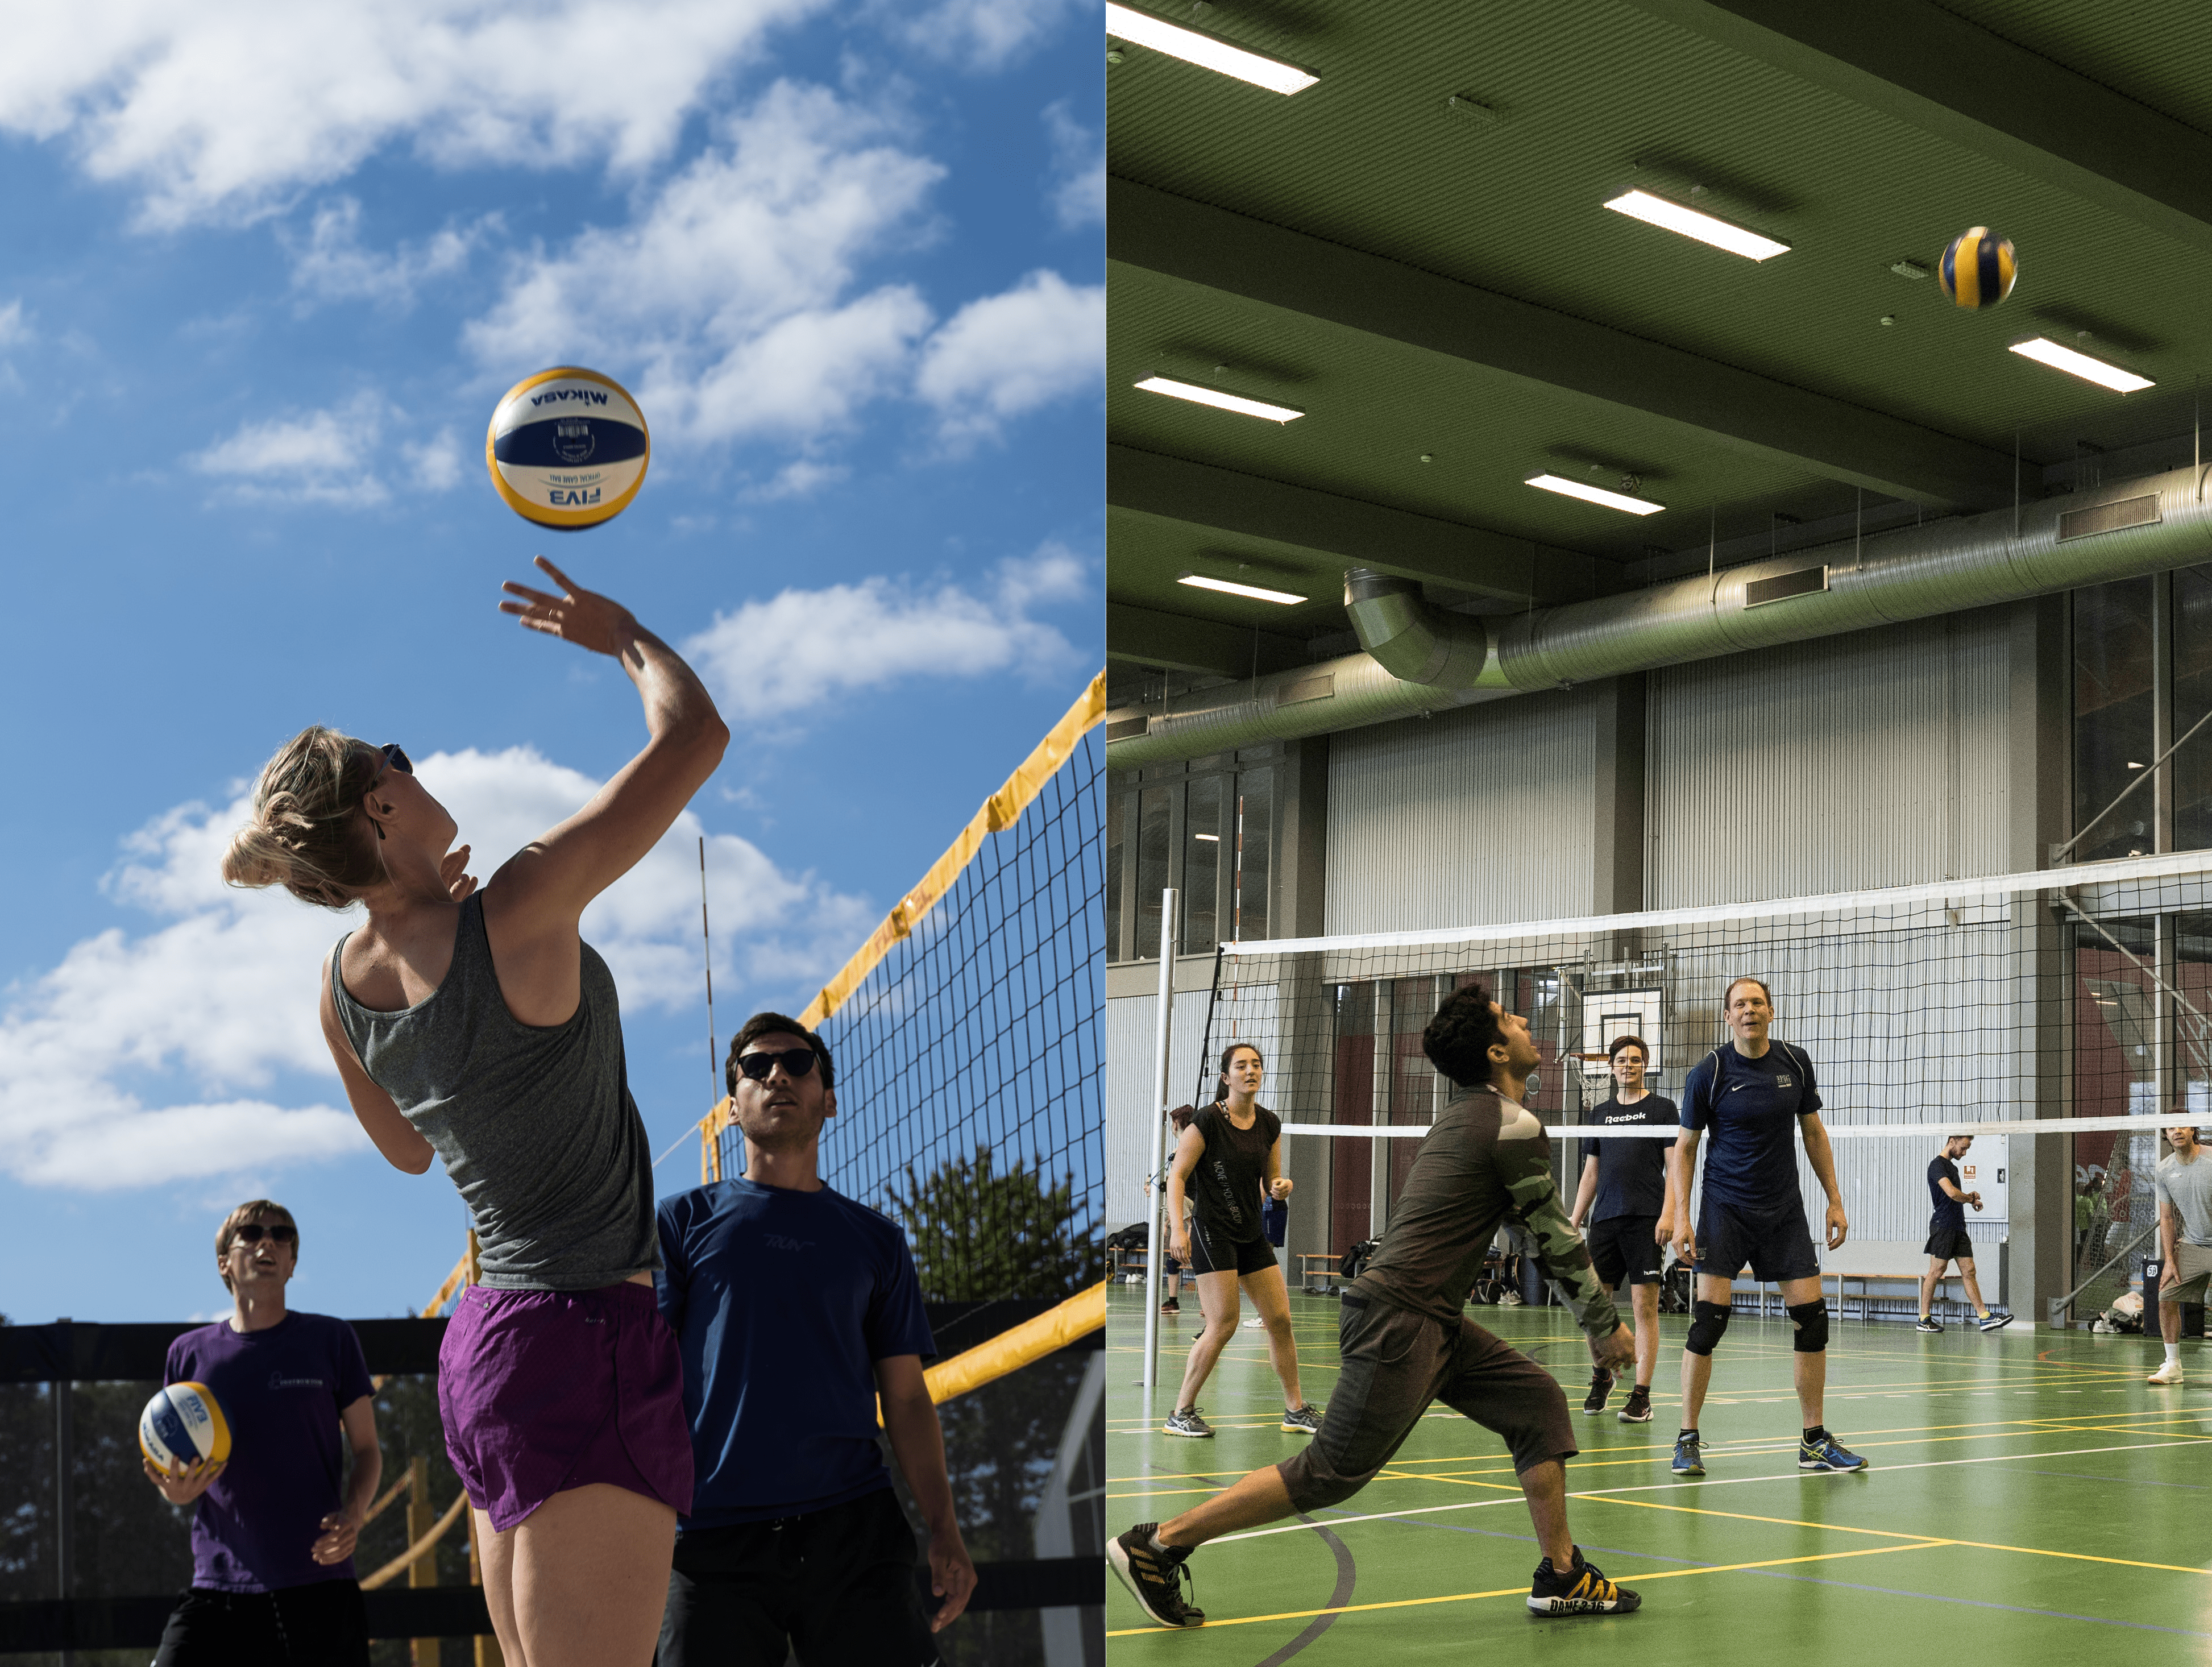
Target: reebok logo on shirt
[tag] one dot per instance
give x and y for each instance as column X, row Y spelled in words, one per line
column 277, row 1380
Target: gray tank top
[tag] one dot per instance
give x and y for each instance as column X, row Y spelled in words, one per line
column 535, row 1122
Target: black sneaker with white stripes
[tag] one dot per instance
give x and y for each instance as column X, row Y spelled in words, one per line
column 1156, row 1579
column 1185, row 1420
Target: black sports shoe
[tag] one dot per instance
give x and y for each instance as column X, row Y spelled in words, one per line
column 1303, row 1419
column 1582, row 1589
column 1931, row 1327
column 1639, row 1408
column 1171, row 1307
column 1600, row 1388
column 1996, row 1320
column 1185, row 1420
column 1157, row 1579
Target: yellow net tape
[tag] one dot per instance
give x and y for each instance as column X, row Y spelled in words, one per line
column 1016, row 1347
column 999, row 811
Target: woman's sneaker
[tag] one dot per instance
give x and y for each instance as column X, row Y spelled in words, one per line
column 1582, row 1589
column 1639, row 1408
column 1600, row 1388
column 1303, row 1419
column 1185, row 1420
column 1157, row 1579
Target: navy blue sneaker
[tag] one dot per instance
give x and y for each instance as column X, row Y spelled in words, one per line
column 1827, row 1454
column 1687, row 1460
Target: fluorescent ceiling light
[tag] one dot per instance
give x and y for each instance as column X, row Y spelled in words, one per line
column 2082, row 365
column 1210, row 839
column 1142, row 28
column 1575, row 488
column 1693, row 223
column 1232, row 588
column 1214, row 397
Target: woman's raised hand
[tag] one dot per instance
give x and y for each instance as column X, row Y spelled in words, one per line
column 578, row 615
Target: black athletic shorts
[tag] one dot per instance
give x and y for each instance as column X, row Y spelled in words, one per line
column 1950, row 1244
column 1777, row 1245
column 835, row 1587
column 1623, row 1250
column 321, row 1624
column 1211, row 1253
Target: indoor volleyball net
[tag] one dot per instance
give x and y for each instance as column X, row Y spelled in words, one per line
column 2071, row 1003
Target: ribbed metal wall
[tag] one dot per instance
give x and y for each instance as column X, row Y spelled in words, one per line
column 1878, row 759
column 1132, row 1069
column 1484, row 814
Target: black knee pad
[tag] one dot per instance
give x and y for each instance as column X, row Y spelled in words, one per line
column 1707, row 1321
column 1811, row 1319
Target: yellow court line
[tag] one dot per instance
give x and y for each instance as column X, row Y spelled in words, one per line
column 1523, row 1591
column 1890, row 1534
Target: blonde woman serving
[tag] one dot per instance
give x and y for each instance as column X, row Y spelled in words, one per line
column 477, row 1026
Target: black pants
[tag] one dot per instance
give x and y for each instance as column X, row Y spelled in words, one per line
column 835, row 1587
column 322, row 1624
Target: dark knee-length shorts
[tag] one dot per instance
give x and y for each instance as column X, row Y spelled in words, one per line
column 1395, row 1362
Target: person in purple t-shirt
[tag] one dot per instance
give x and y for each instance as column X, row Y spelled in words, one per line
column 273, row 1535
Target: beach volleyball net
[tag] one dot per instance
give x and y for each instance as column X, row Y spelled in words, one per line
column 965, row 1032
column 2071, row 1003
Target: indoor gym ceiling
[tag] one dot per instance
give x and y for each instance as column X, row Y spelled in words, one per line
column 1414, row 252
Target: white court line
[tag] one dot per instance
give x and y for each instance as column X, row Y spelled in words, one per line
column 1704, row 1481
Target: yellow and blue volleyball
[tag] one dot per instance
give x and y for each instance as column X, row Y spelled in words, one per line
column 1977, row 268
column 183, row 1425
column 567, row 448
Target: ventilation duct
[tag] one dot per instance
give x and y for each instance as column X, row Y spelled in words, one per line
column 1421, row 658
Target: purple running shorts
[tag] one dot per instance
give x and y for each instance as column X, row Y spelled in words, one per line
column 545, row 1390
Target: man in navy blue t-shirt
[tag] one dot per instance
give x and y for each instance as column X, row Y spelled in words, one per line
column 795, row 1308
column 273, row 1528
column 1750, row 1093
column 1948, row 1240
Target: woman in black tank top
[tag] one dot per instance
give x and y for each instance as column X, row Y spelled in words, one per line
column 1227, row 1161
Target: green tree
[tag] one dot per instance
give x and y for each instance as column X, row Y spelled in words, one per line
column 977, row 1233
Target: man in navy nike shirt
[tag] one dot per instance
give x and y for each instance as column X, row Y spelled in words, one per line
column 795, row 1307
column 1753, row 1094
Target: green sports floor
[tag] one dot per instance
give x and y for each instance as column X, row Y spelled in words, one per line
column 2030, row 1500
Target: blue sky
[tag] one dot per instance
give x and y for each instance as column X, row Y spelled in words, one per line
column 268, row 268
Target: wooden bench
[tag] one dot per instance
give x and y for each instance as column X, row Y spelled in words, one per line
column 1315, row 1266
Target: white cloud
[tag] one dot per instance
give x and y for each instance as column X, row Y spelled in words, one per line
column 333, row 266
column 14, row 329
column 1078, row 163
column 222, row 108
column 801, row 647
column 151, row 1059
column 1042, row 340
column 986, row 34
column 729, row 290
column 324, row 457
column 437, row 466
column 799, row 478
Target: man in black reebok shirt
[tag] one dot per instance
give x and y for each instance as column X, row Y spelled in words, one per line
column 1406, row 1343
column 1622, row 1195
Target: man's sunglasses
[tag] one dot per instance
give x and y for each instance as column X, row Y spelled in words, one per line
column 796, row 1062
column 282, row 1232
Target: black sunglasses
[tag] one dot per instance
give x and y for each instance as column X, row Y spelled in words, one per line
column 395, row 757
column 282, row 1232
column 796, row 1062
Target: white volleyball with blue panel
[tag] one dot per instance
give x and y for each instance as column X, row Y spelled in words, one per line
column 182, row 1425
column 567, row 447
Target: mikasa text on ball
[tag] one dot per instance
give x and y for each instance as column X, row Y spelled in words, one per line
column 567, row 447
column 183, row 1425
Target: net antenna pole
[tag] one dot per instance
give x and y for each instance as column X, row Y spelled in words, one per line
column 1155, row 1242
column 706, row 953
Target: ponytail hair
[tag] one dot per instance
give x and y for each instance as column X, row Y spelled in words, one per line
column 308, row 832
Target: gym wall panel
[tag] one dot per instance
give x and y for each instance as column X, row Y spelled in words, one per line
column 1485, row 813
column 1878, row 759
column 1132, row 1072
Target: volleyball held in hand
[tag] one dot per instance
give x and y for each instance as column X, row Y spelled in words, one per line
column 567, row 448
column 1977, row 268
column 182, row 1425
